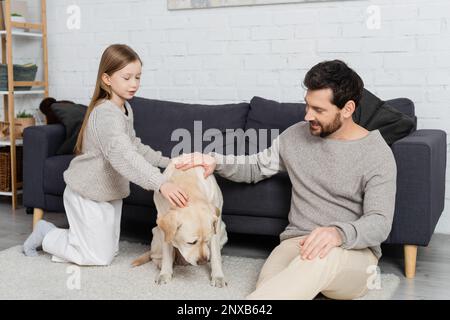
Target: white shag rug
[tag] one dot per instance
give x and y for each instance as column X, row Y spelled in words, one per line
column 24, row 277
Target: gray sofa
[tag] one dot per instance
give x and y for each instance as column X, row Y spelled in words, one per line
column 261, row 208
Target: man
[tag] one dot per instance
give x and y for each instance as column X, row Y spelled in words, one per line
column 343, row 192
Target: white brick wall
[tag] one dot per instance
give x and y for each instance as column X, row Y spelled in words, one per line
column 231, row 54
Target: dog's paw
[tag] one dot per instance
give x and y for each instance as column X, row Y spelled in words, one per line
column 163, row 278
column 218, row 282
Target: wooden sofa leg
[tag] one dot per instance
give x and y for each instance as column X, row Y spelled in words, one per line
column 37, row 215
column 410, row 260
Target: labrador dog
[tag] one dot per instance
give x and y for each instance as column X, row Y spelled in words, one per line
column 192, row 235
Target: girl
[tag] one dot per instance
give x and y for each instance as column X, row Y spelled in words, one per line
column 109, row 155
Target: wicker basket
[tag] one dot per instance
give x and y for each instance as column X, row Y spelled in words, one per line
column 4, row 130
column 5, row 168
column 26, row 72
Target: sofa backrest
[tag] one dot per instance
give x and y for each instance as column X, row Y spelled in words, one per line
column 155, row 122
column 269, row 114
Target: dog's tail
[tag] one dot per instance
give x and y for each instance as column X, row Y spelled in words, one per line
column 146, row 257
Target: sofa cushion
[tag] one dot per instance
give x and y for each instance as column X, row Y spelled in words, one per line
column 267, row 198
column 53, row 172
column 269, row 114
column 376, row 114
column 71, row 116
column 156, row 121
column 404, row 105
column 45, row 108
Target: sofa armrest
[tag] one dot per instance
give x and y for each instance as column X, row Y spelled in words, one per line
column 421, row 161
column 39, row 143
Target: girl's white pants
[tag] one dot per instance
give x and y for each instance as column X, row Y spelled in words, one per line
column 93, row 234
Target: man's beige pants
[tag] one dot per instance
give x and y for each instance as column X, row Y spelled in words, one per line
column 342, row 274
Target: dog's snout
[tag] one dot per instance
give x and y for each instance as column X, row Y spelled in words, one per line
column 202, row 260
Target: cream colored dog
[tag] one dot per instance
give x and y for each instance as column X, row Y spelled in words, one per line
column 194, row 234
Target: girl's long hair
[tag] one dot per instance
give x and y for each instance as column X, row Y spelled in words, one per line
column 114, row 58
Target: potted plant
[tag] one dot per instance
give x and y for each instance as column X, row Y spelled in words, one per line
column 23, row 120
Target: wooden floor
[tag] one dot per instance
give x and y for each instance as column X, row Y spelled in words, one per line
column 432, row 279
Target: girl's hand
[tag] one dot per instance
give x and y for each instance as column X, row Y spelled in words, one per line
column 196, row 159
column 174, row 194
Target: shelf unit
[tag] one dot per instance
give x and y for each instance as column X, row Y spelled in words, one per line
column 4, row 143
column 37, row 31
column 24, row 92
column 23, row 33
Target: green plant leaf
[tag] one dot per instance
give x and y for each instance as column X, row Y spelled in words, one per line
column 24, row 114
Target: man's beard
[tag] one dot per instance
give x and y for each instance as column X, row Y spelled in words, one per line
column 326, row 130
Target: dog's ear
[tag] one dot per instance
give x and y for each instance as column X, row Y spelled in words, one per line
column 168, row 223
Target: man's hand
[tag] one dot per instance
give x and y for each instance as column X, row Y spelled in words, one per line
column 319, row 242
column 196, row 159
column 174, row 194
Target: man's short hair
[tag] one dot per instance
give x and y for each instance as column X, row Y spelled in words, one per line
column 345, row 83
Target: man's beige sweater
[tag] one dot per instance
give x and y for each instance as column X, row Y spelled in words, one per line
column 347, row 184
